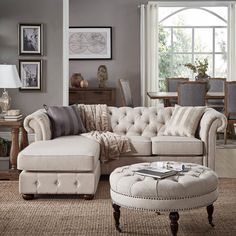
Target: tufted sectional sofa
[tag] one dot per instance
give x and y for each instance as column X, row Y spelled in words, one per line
column 70, row 164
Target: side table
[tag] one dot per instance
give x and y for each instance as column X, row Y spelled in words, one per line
column 15, row 127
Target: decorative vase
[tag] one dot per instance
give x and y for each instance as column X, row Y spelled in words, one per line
column 204, row 78
column 84, row 84
column 76, row 79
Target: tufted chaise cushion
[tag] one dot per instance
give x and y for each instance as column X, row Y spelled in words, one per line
column 139, row 121
column 66, row 153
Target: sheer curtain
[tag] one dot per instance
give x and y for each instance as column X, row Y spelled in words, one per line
column 232, row 41
column 149, row 51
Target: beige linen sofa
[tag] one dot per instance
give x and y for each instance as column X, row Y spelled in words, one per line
column 70, row 164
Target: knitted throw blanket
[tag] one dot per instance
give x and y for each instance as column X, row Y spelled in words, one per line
column 95, row 120
column 94, row 117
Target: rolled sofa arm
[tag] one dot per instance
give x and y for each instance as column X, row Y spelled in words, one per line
column 39, row 124
column 212, row 122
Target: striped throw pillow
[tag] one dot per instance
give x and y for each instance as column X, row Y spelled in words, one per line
column 65, row 120
column 184, row 121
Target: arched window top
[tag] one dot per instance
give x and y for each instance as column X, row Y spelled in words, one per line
column 188, row 16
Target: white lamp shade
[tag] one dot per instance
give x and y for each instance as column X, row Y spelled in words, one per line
column 9, row 77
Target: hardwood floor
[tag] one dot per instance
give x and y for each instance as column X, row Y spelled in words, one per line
column 226, row 163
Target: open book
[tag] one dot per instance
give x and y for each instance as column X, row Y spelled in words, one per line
column 158, row 173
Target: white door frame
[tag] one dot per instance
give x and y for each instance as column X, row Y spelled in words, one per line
column 65, row 60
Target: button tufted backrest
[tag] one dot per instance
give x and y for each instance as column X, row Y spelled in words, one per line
column 139, row 121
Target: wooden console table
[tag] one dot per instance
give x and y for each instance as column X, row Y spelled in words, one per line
column 15, row 126
column 93, row 96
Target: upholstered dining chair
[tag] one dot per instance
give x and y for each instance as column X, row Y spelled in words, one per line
column 127, row 99
column 216, row 85
column 230, row 105
column 192, row 93
column 172, row 86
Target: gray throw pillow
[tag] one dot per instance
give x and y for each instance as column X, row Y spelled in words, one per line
column 65, row 120
column 184, row 121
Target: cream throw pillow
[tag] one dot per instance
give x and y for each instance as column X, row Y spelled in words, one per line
column 184, row 121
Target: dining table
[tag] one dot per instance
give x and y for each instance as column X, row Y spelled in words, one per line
column 166, row 96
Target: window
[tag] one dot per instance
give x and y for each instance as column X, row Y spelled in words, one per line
column 187, row 34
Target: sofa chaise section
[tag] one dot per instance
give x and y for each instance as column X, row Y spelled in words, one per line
column 64, row 165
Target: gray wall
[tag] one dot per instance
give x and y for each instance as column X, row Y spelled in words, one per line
column 123, row 16
column 50, row 13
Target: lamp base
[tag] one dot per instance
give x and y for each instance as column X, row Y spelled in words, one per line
column 5, row 101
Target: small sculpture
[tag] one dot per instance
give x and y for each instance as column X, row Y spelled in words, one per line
column 102, row 76
column 76, row 79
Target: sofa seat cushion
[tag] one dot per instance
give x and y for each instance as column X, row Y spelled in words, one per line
column 140, row 146
column 176, row 145
column 66, row 153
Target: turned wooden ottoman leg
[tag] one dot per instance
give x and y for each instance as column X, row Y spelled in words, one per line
column 174, row 217
column 116, row 214
column 210, row 210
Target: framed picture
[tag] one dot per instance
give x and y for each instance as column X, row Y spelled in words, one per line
column 30, row 39
column 90, row 43
column 30, row 74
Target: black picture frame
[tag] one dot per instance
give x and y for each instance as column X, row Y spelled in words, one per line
column 30, row 72
column 30, row 39
column 90, row 43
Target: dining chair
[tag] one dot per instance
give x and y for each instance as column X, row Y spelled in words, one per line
column 216, row 85
column 192, row 93
column 127, row 99
column 230, row 106
column 172, row 86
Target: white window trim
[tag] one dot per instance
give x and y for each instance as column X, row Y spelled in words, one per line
column 193, row 3
column 231, row 50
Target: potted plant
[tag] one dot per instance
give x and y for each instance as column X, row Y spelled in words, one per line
column 200, row 67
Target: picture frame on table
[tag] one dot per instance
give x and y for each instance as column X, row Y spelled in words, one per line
column 30, row 72
column 90, row 43
column 30, row 39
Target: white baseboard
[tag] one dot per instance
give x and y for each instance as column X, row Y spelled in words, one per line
column 7, row 136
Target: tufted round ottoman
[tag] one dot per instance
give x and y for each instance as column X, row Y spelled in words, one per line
column 188, row 190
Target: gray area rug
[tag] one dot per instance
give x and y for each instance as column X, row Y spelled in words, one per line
column 70, row 215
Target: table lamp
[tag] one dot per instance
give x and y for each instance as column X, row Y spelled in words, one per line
column 9, row 78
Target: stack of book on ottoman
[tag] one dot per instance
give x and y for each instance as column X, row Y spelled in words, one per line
column 158, row 173
column 163, row 170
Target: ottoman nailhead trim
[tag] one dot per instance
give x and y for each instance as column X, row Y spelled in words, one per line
column 162, row 210
column 159, row 198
